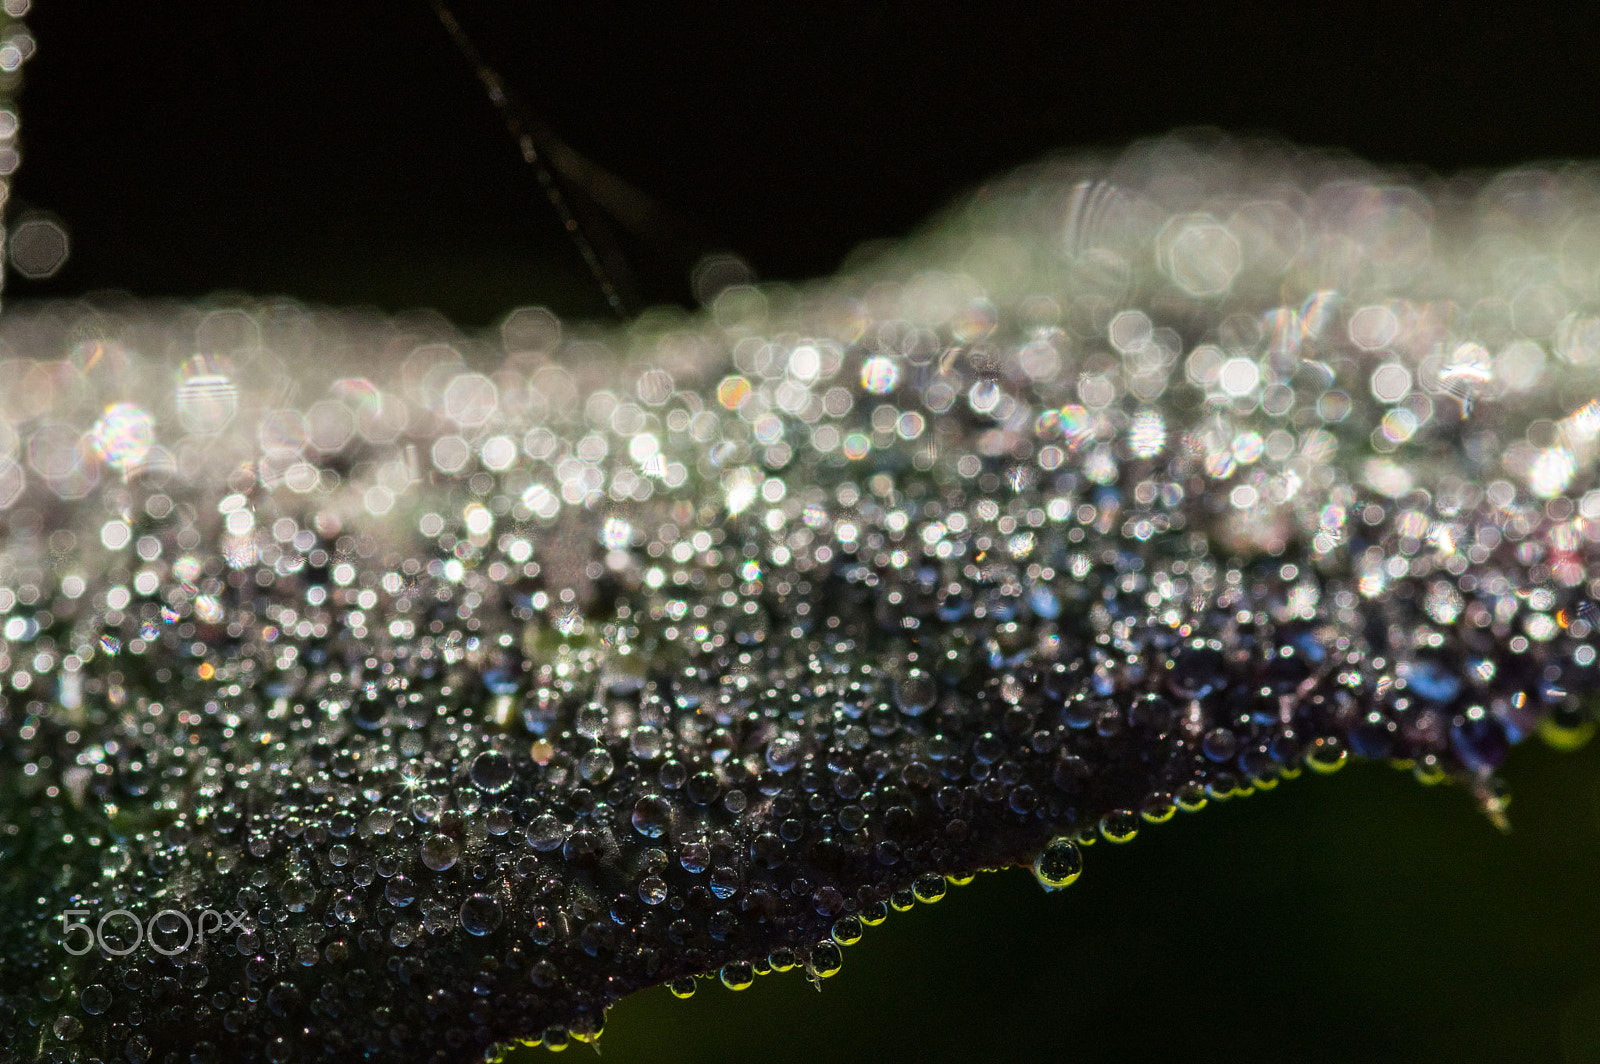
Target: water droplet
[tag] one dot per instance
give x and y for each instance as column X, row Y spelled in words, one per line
column 400, row 891
column 725, row 882
column 1059, row 864
column 915, row 693
column 646, row 743
column 1119, row 825
column 737, row 975
column 1190, row 798
column 694, row 857
column 480, row 914
column 652, row 890
column 596, row 766
column 439, row 852
column 652, row 815
column 1158, row 808
column 546, row 833
column 298, row 893
column 826, row 960
column 783, row 753
column 95, row 999
column 1326, row 754
column 491, row 771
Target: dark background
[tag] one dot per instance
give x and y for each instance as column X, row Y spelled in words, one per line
column 344, row 153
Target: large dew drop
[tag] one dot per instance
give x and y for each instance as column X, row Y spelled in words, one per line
column 1059, row 864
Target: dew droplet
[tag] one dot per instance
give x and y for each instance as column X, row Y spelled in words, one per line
column 480, row 914
column 694, row 857
column 725, row 882
column 546, row 833
column 95, row 999
column 596, row 766
column 783, row 753
column 1325, row 755
column 491, row 771
column 1119, row 825
column 915, row 693
column 1059, row 864
column 826, row 960
column 400, row 891
column 439, row 852
column 652, row 890
column 1158, row 808
column 737, row 975
column 652, row 815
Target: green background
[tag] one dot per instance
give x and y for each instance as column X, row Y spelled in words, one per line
column 1359, row 917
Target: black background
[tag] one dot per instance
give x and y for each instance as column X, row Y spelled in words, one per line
column 344, row 153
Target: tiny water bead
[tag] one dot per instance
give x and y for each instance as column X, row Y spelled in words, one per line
column 1326, row 755
column 481, row 914
column 1059, row 864
column 825, row 961
column 94, row 999
column 492, row 772
column 1158, row 808
column 400, row 891
column 652, row 816
column 738, row 976
column 499, row 675
column 847, row 931
column 1119, row 825
column 439, row 852
column 915, row 693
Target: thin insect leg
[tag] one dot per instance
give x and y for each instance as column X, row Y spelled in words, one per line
column 603, row 261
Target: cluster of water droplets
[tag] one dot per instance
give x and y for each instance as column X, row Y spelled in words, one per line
column 495, row 676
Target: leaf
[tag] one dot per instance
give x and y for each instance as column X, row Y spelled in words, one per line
column 484, row 679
